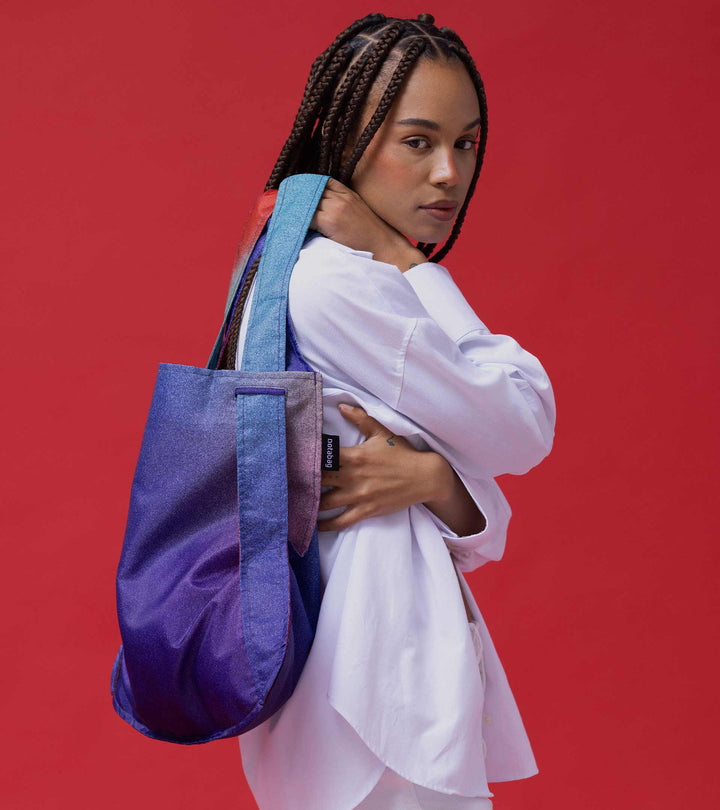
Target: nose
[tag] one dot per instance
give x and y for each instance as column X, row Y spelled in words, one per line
column 444, row 170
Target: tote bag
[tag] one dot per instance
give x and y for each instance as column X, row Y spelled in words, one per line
column 218, row 585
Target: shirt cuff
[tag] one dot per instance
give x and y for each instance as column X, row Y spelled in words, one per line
column 470, row 551
column 443, row 301
column 460, row 541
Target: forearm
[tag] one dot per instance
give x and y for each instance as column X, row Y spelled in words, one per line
column 450, row 501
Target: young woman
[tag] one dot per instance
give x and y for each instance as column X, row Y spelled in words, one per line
column 403, row 701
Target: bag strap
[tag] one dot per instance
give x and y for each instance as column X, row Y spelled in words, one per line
column 265, row 343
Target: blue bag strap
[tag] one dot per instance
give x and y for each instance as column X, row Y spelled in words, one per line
column 265, row 342
column 263, row 515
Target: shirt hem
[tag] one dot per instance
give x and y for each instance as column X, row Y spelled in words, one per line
column 402, row 773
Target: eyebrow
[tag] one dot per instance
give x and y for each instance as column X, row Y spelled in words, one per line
column 424, row 122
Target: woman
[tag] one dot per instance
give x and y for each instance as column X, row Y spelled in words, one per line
column 403, row 701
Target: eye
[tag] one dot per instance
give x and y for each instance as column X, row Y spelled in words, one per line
column 469, row 144
column 415, row 141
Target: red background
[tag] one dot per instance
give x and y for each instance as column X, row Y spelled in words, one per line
column 136, row 136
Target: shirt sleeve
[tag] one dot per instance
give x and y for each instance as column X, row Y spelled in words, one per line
column 448, row 307
column 473, row 550
column 443, row 300
column 484, row 403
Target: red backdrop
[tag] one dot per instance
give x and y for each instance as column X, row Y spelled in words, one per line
column 136, row 137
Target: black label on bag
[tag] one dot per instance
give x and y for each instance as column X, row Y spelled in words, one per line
column 330, row 452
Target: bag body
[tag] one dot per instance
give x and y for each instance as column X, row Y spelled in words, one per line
column 218, row 585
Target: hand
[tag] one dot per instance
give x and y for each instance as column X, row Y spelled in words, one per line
column 384, row 474
column 343, row 216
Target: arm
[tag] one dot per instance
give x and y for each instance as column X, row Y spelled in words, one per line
column 485, row 404
column 451, row 502
column 446, row 304
column 385, row 474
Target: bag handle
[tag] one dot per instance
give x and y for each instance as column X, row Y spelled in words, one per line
column 298, row 197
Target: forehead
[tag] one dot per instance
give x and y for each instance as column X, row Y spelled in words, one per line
column 439, row 90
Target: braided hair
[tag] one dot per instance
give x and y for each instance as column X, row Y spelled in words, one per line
column 372, row 52
column 345, row 80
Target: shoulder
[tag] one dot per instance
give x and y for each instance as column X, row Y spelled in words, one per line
column 320, row 256
column 328, row 270
column 317, row 243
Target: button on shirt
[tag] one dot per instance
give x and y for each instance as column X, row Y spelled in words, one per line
column 392, row 678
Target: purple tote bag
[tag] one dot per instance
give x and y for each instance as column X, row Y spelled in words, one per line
column 218, row 584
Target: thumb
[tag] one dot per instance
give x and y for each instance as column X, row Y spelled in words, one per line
column 359, row 417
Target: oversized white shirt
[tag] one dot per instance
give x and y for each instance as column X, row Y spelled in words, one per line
column 392, row 677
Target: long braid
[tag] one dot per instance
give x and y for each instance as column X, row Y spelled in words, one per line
column 339, row 103
column 406, row 62
column 324, row 65
column 458, row 47
column 310, row 130
column 350, row 97
column 307, row 114
column 344, row 36
column 377, row 59
column 229, row 352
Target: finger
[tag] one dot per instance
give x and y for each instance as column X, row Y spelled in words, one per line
column 350, row 457
column 334, row 498
column 330, row 478
column 361, row 419
column 335, row 524
column 335, row 185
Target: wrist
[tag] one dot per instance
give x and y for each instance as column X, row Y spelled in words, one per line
column 398, row 251
column 411, row 258
column 441, row 481
column 451, row 501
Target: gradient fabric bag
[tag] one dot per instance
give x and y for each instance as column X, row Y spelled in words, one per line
column 218, row 584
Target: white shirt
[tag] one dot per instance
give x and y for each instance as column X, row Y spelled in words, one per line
column 392, row 677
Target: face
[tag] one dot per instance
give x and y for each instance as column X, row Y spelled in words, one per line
column 424, row 153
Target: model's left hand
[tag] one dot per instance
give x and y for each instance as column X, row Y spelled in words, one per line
column 383, row 474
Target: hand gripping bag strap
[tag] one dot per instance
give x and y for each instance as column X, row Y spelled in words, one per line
column 215, row 631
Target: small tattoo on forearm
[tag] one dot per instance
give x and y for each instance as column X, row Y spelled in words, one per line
column 414, row 264
column 390, row 441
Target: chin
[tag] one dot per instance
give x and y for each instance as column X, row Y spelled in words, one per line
column 432, row 235
column 428, row 232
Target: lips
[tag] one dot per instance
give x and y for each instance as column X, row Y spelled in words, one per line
column 442, row 210
column 441, row 205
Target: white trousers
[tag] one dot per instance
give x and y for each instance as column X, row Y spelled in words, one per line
column 394, row 792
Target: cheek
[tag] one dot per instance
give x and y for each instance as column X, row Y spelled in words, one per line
column 389, row 177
